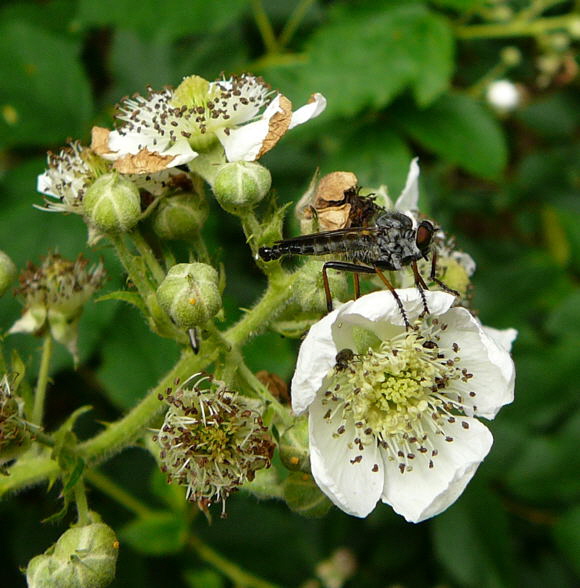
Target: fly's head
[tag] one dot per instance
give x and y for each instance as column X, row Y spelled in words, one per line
column 424, row 236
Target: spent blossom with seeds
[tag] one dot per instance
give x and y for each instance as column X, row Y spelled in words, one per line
column 171, row 127
column 392, row 411
column 212, row 441
column 54, row 295
column 74, row 169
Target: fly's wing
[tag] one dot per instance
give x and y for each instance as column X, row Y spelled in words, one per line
column 344, row 241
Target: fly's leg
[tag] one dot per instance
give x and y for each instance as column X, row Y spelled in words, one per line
column 395, row 296
column 435, row 279
column 356, row 282
column 343, row 266
column 421, row 286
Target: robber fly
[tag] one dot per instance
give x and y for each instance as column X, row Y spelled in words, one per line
column 388, row 242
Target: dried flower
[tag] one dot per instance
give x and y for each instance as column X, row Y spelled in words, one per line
column 213, row 440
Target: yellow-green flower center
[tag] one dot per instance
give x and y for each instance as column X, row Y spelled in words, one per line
column 398, row 393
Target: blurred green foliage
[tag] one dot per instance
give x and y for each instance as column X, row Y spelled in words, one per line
column 402, row 78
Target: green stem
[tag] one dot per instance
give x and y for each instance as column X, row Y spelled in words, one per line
column 42, row 383
column 264, row 26
column 283, row 413
column 238, row 576
column 148, row 255
column 293, row 22
column 136, row 273
column 271, row 303
column 198, row 245
column 114, row 491
column 81, row 502
column 516, row 28
column 122, row 432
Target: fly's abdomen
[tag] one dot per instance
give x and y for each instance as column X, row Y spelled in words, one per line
column 318, row 244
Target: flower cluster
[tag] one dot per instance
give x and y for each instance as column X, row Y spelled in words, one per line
column 212, row 441
column 392, row 410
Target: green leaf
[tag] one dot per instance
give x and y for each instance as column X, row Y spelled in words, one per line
column 567, row 535
column 204, row 578
column 132, row 298
column 133, row 358
column 44, row 96
column 368, row 53
column 460, row 130
column 471, row 540
column 170, row 20
column 157, row 534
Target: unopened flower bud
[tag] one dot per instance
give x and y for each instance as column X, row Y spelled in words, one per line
column 293, row 447
column 240, row 185
column 7, row 272
column 112, row 204
column 309, row 289
column 83, row 557
column 189, row 294
column 511, row 56
column 212, row 440
column 180, row 216
column 303, row 496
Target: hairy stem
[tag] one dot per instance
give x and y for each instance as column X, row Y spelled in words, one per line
column 42, row 383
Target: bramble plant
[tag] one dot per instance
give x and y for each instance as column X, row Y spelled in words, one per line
column 396, row 375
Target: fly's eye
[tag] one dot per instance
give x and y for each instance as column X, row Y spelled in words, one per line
column 425, row 232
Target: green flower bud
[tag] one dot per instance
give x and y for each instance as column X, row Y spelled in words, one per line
column 240, row 185
column 303, row 496
column 189, row 294
column 309, row 289
column 112, row 204
column 180, row 216
column 7, row 272
column 83, row 557
column 293, row 447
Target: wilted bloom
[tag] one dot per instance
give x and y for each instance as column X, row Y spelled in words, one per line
column 171, row 127
column 54, row 295
column 391, row 410
column 74, row 169
column 212, row 441
column 14, row 437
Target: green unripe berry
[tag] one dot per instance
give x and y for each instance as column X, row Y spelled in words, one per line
column 112, row 204
column 180, row 216
column 7, row 272
column 189, row 294
column 240, row 185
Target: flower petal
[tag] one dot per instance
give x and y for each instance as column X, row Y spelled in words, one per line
column 409, row 198
column 316, row 356
column 491, row 365
column 379, row 312
column 425, row 492
column 503, row 337
column 354, row 487
column 315, row 106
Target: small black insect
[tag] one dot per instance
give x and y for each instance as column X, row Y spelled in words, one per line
column 343, row 358
column 390, row 243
